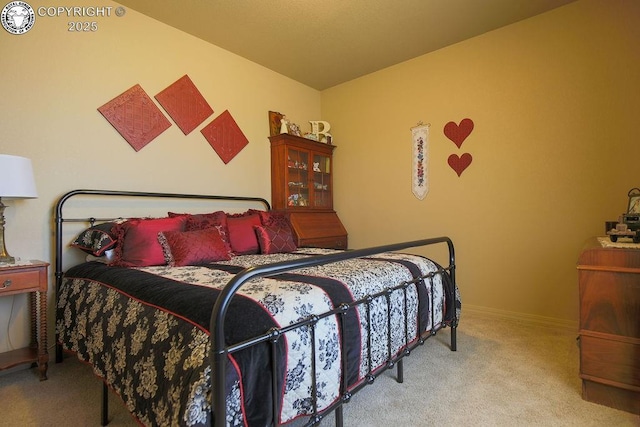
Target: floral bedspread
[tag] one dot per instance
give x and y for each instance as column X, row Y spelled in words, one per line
column 145, row 331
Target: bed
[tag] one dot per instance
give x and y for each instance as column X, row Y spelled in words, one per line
column 219, row 332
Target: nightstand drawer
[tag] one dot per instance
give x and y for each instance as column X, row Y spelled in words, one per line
column 19, row 281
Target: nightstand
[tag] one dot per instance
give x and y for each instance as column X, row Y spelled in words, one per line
column 28, row 277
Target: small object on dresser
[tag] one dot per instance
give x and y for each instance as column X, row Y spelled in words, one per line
column 628, row 225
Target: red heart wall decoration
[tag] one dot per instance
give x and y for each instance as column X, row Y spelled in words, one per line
column 458, row 133
column 459, row 164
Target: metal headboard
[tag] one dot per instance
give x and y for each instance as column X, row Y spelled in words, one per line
column 60, row 220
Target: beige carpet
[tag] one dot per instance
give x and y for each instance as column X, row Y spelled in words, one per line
column 505, row 373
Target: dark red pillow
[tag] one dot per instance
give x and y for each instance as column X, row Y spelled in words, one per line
column 138, row 241
column 280, row 219
column 275, row 239
column 242, row 236
column 193, row 247
column 200, row 221
column 216, row 219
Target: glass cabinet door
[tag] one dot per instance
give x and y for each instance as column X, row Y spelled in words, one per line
column 321, row 181
column 301, row 174
column 298, row 178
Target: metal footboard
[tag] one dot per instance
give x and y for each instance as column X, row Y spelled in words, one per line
column 220, row 351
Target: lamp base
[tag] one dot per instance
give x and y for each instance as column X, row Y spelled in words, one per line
column 7, row 259
column 4, row 255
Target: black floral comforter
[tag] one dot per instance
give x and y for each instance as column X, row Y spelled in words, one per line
column 145, row 331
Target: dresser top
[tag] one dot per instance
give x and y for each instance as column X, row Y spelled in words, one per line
column 598, row 252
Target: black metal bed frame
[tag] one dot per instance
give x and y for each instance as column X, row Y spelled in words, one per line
column 220, row 350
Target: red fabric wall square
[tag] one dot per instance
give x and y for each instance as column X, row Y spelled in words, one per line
column 185, row 104
column 135, row 116
column 225, row 137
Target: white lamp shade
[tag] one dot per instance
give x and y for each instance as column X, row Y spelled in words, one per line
column 16, row 177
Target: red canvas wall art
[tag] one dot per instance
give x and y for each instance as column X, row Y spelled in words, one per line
column 225, row 137
column 135, row 116
column 185, row 104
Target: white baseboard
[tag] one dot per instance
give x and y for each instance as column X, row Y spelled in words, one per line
column 521, row 317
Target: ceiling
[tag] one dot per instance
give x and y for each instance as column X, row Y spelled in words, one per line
column 322, row 43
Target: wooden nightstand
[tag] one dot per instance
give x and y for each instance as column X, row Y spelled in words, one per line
column 31, row 277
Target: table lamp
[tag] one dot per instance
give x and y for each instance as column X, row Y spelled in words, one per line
column 16, row 182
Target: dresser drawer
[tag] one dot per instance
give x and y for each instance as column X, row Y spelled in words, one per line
column 610, row 302
column 610, row 360
column 19, row 281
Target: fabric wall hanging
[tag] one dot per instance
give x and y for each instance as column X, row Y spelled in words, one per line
column 135, row 116
column 420, row 173
column 185, row 104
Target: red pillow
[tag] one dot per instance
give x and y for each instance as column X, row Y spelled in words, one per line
column 216, row 219
column 200, row 221
column 138, row 241
column 193, row 247
column 280, row 219
column 275, row 239
column 242, row 236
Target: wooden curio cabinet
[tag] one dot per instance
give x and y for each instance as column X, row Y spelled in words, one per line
column 302, row 185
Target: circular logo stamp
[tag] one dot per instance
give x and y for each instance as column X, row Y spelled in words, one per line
column 17, row 17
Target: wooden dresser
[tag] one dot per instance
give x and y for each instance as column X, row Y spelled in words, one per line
column 609, row 284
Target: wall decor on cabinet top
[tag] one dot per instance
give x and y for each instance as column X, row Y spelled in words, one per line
column 135, row 116
column 185, row 104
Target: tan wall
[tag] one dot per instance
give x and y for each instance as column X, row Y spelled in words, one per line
column 555, row 102
column 52, row 82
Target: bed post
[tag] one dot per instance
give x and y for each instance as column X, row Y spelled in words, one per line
column 58, row 261
column 452, row 275
column 104, row 409
column 339, row 414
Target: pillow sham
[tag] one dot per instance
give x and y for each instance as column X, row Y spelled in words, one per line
column 195, row 247
column 97, row 239
column 242, row 235
column 275, row 239
column 139, row 245
column 280, row 219
column 216, row 219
